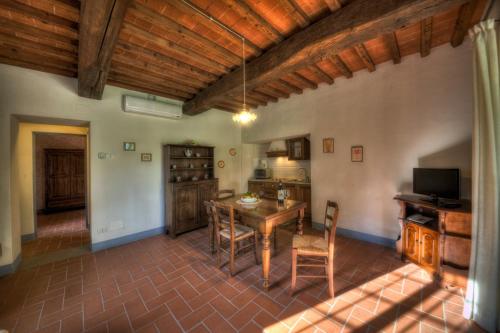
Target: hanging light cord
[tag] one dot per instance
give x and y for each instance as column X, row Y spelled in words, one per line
column 244, row 76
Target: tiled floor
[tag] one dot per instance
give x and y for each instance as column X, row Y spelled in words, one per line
column 164, row 285
column 58, row 231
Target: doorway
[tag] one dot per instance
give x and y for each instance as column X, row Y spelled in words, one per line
column 60, row 205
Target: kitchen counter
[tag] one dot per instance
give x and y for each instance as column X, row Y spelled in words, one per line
column 284, row 181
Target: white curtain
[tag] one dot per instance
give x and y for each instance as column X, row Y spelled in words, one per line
column 483, row 291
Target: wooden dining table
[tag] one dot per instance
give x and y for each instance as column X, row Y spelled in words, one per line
column 265, row 215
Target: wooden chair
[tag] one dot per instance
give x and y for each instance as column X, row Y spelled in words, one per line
column 232, row 234
column 317, row 249
column 222, row 194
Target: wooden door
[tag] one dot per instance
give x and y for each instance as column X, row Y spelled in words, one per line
column 65, row 179
column 186, row 207
column 429, row 255
column 306, row 197
column 206, row 192
column 411, row 242
column 292, row 192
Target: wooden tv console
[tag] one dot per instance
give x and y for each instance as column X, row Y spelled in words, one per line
column 442, row 247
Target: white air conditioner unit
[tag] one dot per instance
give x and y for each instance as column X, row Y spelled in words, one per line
column 151, row 107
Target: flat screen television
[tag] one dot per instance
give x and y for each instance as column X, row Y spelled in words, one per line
column 437, row 183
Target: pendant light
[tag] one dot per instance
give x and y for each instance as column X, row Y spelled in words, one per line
column 245, row 116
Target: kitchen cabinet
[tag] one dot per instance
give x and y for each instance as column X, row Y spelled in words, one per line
column 298, row 149
column 421, row 246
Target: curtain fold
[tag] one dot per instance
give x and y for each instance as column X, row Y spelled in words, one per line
column 483, row 291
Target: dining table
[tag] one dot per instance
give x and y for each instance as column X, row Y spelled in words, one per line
column 264, row 215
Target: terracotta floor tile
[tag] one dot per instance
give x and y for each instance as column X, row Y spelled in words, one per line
column 161, row 284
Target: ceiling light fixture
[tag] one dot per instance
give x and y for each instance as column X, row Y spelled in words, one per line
column 245, row 116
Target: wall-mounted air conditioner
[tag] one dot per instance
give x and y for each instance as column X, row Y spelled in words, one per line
column 151, row 107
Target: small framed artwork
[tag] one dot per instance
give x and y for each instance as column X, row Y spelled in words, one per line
column 146, row 157
column 328, row 145
column 129, row 146
column 357, row 154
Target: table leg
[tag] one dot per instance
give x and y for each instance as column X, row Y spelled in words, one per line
column 300, row 226
column 266, row 259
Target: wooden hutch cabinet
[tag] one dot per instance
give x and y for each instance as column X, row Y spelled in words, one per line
column 298, row 149
column 189, row 181
column 442, row 246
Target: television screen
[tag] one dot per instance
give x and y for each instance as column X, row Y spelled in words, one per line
column 443, row 183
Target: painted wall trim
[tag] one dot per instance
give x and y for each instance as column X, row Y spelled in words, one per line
column 360, row 235
column 27, row 237
column 10, row 268
column 127, row 239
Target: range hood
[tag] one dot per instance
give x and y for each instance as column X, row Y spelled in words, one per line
column 277, row 148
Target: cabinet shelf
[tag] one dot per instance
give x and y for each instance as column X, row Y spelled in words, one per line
column 191, row 158
column 188, row 169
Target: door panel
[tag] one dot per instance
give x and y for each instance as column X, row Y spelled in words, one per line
column 411, row 242
column 429, row 242
column 186, row 204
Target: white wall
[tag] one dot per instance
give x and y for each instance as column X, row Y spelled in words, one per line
column 417, row 113
column 126, row 194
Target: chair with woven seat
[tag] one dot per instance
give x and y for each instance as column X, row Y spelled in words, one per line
column 222, row 194
column 232, row 234
column 318, row 251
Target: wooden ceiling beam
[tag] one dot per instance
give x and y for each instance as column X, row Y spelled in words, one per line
column 147, row 90
column 43, row 49
column 36, row 58
column 323, row 76
column 37, row 66
column 249, row 99
column 263, row 95
column 392, row 43
column 147, row 76
column 39, row 14
column 237, row 102
column 209, row 24
column 288, row 86
column 303, row 80
column 202, row 60
column 132, row 80
column 225, row 108
column 100, row 24
column 161, row 21
column 333, row 5
column 157, row 70
column 357, row 22
column 173, row 64
column 296, row 12
column 341, row 66
column 365, row 57
column 463, row 22
column 37, row 32
column 273, row 92
column 255, row 20
column 425, row 36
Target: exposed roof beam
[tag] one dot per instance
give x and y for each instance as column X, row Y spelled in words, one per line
column 289, row 86
column 244, row 10
column 365, row 57
column 341, row 66
column 163, row 21
column 392, row 44
column 303, row 80
column 425, row 36
column 263, row 95
column 333, row 5
column 39, row 14
column 357, row 22
column 463, row 22
column 323, row 76
column 296, row 12
column 35, row 65
column 100, row 24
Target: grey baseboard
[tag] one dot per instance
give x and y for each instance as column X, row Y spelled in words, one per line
column 126, row 239
column 360, row 235
column 10, row 268
column 28, row 237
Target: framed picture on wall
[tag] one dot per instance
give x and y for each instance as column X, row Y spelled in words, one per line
column 146, row 157
column 328, row 145
column 357, row 154
column 129, row 146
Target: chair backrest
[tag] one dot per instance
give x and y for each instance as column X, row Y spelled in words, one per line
column 331, row 216
column 221, row 212
column 224, row 194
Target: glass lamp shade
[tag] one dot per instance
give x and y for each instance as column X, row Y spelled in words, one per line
column 244, row 117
